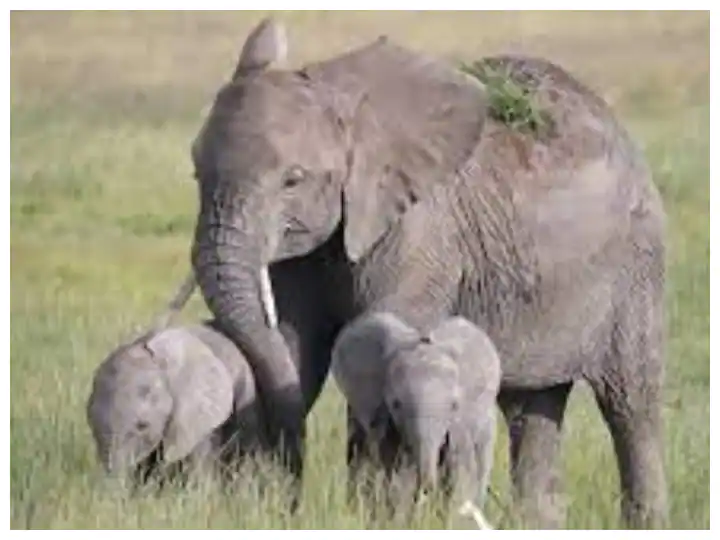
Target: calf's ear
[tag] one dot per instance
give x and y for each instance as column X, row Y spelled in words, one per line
column 201, row 388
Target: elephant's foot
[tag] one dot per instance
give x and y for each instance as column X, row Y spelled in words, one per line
column 469, row 509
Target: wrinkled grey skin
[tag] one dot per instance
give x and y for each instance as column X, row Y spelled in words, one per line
column 375, row 180
column 442, row 392
column 181, row 396
column 433, row 395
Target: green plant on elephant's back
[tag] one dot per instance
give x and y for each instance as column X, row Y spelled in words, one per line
column 510, row 101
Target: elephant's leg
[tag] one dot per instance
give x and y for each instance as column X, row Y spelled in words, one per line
column 308, row 317
column 628, row 391
column 309, row 331
column 147, row 470
column 395, row 489
column 458, row 473
column 534, row 420
column 484, row 454
column 358, row 455
column 634, row 422
column 204, row 462
column 311, row 348
column 370, row 470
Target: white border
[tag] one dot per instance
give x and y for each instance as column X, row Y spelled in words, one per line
column 213, row 5
column 714, row 264
column 208, row 4
column 5, row 313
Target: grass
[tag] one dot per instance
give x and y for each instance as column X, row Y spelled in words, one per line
column 104, row 107
column 509, row 101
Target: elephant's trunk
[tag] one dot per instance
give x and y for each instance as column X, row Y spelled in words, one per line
column 230, row 264
column 120, row 458
column 427, row 450
column 428, row 467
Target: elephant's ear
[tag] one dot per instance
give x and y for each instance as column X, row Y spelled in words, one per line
column 360, row 356
column 202, row 391
column 418, row 125
column 265, row 45
column 455, row 335
column 473, row 351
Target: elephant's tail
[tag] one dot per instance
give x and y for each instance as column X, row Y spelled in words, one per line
column 176, row 304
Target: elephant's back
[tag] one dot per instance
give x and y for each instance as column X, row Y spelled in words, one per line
column 567, row 124
column 224, row 349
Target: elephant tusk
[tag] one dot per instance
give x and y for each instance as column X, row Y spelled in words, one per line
column 469, row 509
column 267, row 298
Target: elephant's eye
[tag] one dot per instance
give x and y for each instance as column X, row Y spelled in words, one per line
column 141, row 425
column 395, row 404
column 454, row 406
column 293, row 176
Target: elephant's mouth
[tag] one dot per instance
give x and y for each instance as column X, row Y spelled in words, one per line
column 295, row 227
column 432, row 469
column 443, row 452
column 297, row 240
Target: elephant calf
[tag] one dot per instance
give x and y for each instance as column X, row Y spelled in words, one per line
column 183, row 396
column 432, row 394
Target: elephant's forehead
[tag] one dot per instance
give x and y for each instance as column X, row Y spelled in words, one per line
column 264, row 123
column 131, row 368
column 426, row 363
column 271, row 95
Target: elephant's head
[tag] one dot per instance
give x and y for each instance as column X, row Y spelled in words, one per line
column 423, row 392
column 166, row 393
column 286, row 157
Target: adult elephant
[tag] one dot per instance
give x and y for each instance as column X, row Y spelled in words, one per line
column 380, row 179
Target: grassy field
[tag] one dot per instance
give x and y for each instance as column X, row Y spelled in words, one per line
column 104, row 107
